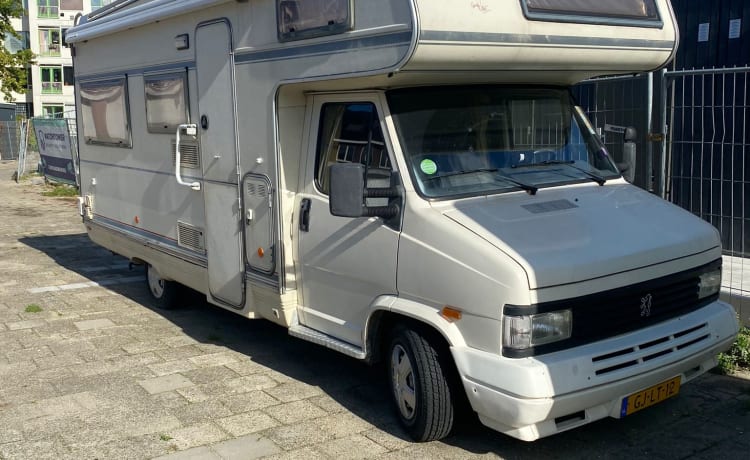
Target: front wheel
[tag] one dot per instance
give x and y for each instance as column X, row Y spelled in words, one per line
column 419, row 385
column 165, row 293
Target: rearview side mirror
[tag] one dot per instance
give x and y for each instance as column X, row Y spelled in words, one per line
column 627, row 167
column 347, row 190
column 348, row 193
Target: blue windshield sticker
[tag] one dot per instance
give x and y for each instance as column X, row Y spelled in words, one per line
column 428, row 166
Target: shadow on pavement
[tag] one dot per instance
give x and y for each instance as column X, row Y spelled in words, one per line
column 708, row 406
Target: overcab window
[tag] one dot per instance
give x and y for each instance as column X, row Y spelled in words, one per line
column 104, row 112
column 299, row 19
column 166, row 102
column 616, row 12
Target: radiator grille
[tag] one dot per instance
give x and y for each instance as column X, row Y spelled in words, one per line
column 190, row 237
column 189, row 155
column 645, row 352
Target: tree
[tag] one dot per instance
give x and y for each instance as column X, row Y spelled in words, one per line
column 12, row 65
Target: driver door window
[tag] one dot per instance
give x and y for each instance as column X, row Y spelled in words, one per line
column 351, row 133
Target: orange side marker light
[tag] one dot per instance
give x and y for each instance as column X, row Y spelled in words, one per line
column 450, row 313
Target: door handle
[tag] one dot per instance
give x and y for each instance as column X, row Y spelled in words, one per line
column 304, row 215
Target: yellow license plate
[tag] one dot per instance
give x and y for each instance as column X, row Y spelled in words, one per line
column 650, row 396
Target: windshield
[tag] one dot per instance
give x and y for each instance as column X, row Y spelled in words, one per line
column 464, row 141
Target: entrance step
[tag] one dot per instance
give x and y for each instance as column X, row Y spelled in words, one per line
column 311, row 335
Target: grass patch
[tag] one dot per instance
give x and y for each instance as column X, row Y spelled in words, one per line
column 33, row 308
column 61, row 190
column 737, row 357
column 165, row 437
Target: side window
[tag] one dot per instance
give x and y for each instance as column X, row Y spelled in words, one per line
column 351, row 133
column 627, row 12
column 104, row 112
column 166, row 102
column 300, row 19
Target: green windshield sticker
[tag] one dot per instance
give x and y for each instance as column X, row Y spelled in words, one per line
column 428, row 166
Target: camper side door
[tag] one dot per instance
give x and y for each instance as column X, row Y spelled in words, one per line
column 346, row 263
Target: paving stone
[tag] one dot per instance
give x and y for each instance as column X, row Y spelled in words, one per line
column 296, row 411
column 143, row 347
column 305, row 453
column 198, row 453
column 251, row 422
column 246, row 448
column 288, row 392
column 216, row 376
column 170, row 400
column 94, row 324
column 214, row 359
column 198, row 412
column 171, row 367
column 352, row 447
column 28, row 354
column 246, row 367
column 37, row 450
column 8, row 434
column 250, row 383
column 178, row 353
column 27, row 324
column 297, row 435
column 165, row 383
column 129, row 448
column 246, row 402
column 196, row 435
column 193, row 394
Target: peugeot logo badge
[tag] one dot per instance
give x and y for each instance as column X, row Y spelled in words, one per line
column 646, row 306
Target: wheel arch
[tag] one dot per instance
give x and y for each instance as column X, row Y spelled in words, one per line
column 388, row 311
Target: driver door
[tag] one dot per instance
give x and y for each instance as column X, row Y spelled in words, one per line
column 346, row 263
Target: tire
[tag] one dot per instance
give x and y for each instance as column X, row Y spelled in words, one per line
column 419, row 385
column 165, row 293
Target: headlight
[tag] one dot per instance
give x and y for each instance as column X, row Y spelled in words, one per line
column 521, row 332
column 710, row 283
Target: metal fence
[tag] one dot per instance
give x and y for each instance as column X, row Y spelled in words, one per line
column 694, row 150
column 707, row 163
column 9, row 137
column 611, row 106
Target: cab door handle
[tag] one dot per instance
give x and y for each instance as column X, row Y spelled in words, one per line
column 304, row 215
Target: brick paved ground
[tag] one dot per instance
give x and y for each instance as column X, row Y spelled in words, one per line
column 100, row 373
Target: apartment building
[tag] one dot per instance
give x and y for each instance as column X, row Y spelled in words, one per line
column 50, row 91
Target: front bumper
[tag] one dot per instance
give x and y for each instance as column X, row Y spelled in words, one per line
column 530, row 398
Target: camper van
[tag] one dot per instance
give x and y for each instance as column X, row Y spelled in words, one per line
column 408, row 182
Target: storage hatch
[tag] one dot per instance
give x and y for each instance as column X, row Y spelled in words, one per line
column 259, row 241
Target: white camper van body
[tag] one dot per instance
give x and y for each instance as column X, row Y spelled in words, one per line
column 204, row 126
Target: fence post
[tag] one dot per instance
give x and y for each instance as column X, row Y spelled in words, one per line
column 663, row 119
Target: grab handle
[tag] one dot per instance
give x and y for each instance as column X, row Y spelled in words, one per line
column 190, row 130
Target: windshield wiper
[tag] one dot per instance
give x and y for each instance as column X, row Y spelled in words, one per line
column 595, row 177
column 522, row 185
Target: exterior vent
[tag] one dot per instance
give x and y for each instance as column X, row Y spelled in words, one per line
column 549, row 206
column 189, row 154
column 190, row 237
column 257, row 190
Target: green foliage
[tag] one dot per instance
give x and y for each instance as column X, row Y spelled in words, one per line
column 60, row 190
column 33, row 308
column 12, row 66
column 737, row 357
